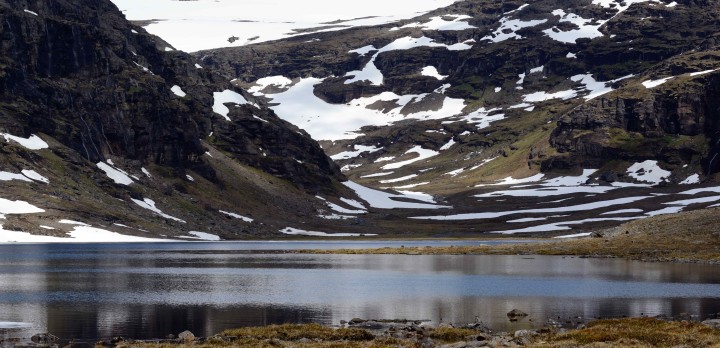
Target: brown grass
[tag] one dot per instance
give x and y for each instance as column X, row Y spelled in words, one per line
column 636, row 332
column 294, row 332
column 633, row 332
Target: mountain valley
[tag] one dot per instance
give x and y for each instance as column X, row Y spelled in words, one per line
column 547, row 117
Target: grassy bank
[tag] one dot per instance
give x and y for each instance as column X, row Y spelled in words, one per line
column 637, row 332
column 686, row 237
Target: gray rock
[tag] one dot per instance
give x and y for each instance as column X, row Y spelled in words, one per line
column 525, row 333
column 186, row 336
column 713, row 323
column 44, row 338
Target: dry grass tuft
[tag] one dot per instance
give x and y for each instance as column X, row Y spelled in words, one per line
column 637, row 332
column 450, row 334
column 294, row 332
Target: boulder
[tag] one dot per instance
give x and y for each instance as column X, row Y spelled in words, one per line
column 186, row 336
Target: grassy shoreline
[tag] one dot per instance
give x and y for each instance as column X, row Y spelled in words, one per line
column 686, row 237
column 629, row 332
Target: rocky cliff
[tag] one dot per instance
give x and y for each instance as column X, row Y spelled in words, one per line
column 101, row 96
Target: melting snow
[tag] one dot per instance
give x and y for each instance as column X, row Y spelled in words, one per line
column 6, row 176
column 586, row 29
column 277, row 81
column 508, row 27
column 237, row 216
column 372, row 74
column 80, row 234
column 325, row 121
column 423, row 154
column 654, row 83
column 692, row 179
column 377, row 174
column 537, row 70
column 440, row 23
column 702, row 72
column 353, row 203
column 648, row 171
column 35, row 176
column 226, row 96
column 510, row 181
column 17, row 207
column 299, row 232
column 481, row 117
column 178, row 91
column 362, row 51
column 449, row 144
column 432, row 72
column 385, row 200
column 203, row 236
column 404, row 178
column 668, row 210
column 115, row 174
column 357, row 150
column 562, row 226
column 623, row 211
column 32, row 143
column 149, row 204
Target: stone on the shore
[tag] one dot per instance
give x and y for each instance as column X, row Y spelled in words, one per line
column 44, row 338
column 516, row 314
column 713, row 323
column 186, row 336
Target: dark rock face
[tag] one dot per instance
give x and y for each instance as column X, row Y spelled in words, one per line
column 80, row 73
column 678, row 124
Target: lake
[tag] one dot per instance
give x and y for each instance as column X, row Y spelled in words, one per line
column 91, row 291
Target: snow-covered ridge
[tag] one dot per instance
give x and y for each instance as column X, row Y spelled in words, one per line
column 206, row 24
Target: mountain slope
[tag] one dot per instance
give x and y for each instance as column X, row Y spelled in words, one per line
column 556, row 102
column 108, row 125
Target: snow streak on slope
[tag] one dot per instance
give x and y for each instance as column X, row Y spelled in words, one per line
column 206, row 24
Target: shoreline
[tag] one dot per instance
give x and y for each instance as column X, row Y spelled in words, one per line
column 624, row 332
column 688, row 237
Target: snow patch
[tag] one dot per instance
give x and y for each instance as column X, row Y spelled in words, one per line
column 237, row 216
column 648, row 171
column 654, row 83
column 692, row 179
column 432, row 72
column 385, row 200
column 356, row 151
column 178, row 91
column 299, row 232
column 440, row 23
column 362, row 51
column 149, row 204
column 203, row 236
column 226, row 96
column 35, row 176
column 32, row 143
column 118, row 176
column 422, row 154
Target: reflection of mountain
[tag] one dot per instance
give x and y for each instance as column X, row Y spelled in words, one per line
column 90, row 293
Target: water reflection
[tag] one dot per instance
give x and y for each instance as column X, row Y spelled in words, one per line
column 91, row 292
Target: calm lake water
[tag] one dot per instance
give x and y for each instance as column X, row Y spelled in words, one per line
column 151, row 290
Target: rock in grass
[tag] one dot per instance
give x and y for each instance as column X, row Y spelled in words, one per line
column 186, row 336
